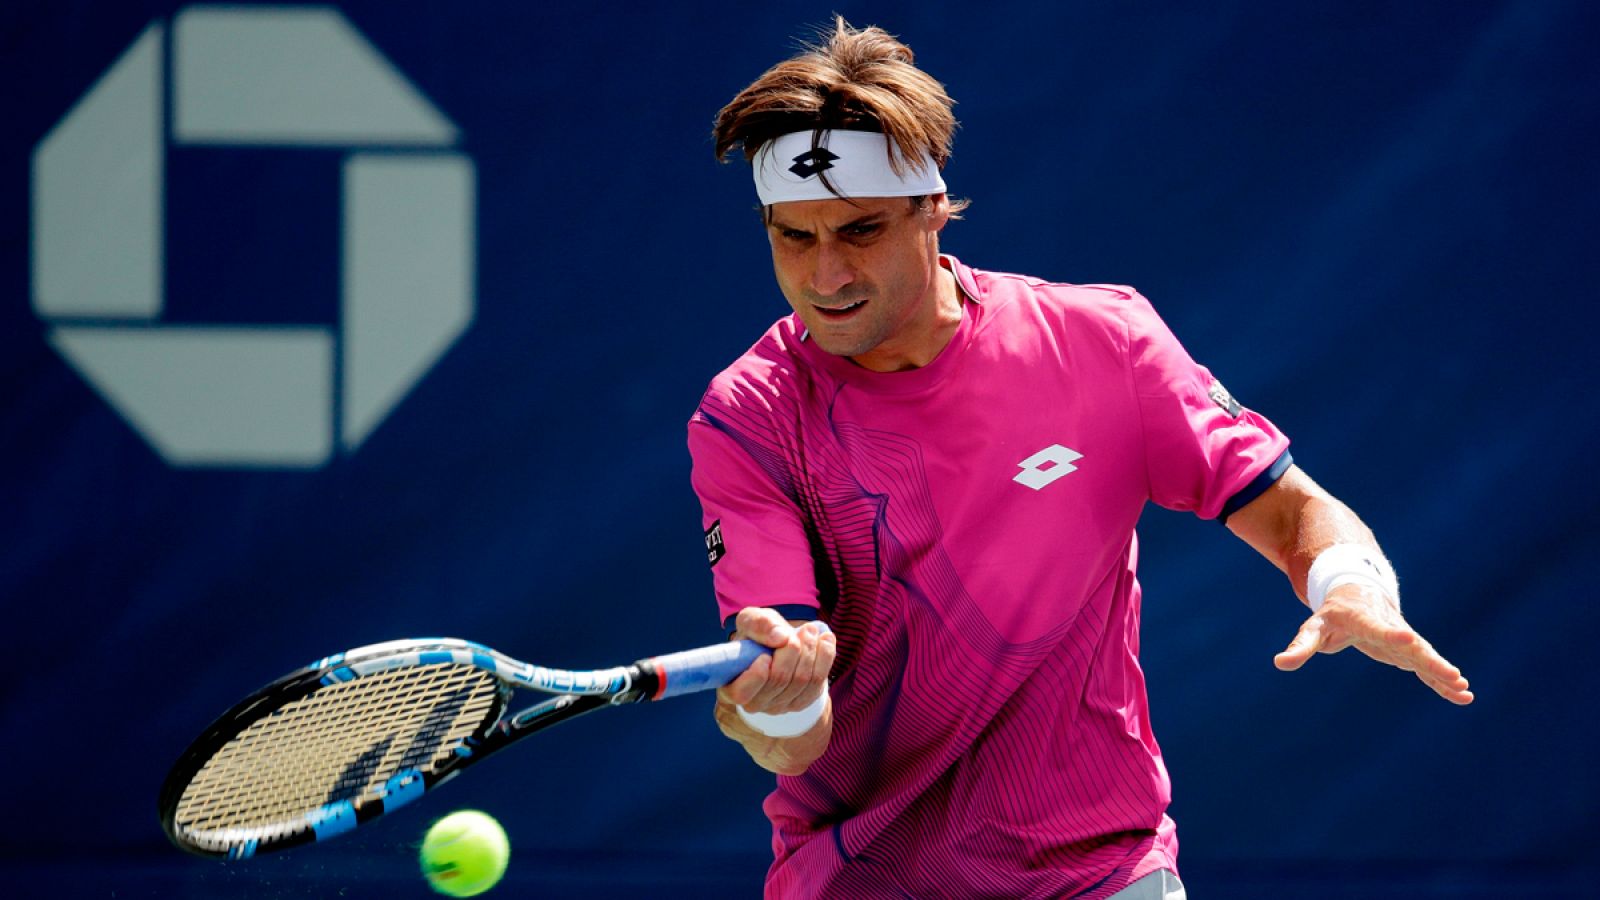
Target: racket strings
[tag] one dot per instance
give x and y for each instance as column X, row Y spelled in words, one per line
column 340, row 743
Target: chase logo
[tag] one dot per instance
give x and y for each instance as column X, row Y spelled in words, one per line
column 811, row 162
column 253, row 396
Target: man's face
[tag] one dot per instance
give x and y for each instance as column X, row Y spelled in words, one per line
column 861, row 273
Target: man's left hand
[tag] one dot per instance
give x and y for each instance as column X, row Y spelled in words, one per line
column 1357, row 616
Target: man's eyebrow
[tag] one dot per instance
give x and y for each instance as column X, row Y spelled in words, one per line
column 872, row 218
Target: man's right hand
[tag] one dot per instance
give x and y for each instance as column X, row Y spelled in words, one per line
column 792, row 678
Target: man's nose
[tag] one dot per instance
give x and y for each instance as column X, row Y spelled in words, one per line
column 832, row 270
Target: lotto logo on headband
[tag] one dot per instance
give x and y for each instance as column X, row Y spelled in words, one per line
column 857, row 163
column 811, row 162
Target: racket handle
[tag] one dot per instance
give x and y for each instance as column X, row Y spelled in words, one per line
column 704, row 669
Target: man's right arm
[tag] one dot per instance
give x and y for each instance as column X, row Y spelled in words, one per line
column 791, row 679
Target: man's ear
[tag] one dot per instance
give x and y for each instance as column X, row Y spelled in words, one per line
column 937, row 208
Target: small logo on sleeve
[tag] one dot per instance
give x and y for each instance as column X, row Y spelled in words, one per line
column 1220, row 396
column 714, row 546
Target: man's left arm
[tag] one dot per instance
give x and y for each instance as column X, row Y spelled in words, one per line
column 1291, row 524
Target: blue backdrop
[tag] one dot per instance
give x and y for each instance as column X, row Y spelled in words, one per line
column 1376, row 222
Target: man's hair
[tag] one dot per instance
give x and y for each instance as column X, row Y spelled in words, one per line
column 851, row 80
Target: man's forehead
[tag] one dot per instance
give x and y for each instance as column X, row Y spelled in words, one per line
column 833, row 212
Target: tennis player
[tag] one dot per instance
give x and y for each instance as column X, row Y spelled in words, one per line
column 945, row 465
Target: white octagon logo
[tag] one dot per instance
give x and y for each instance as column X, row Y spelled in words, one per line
column 253, row 396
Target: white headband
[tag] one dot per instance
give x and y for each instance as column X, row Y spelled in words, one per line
column 856, row 163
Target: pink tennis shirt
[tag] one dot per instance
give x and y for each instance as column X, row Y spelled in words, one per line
column 967, row 529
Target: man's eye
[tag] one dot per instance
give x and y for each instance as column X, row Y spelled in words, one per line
column 861, row 230
column 794, row 235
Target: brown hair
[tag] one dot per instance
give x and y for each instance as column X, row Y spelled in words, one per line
column 852, row 80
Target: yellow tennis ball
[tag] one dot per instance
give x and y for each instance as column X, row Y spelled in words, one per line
column 465, row 853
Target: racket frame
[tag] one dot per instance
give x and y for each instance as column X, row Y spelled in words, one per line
column 574, row 694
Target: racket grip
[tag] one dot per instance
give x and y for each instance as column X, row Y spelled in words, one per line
column 707, row 668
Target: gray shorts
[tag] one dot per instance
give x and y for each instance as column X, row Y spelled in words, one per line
column 1159, row 885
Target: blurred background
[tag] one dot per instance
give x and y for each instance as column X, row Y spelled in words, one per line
column 333, row 324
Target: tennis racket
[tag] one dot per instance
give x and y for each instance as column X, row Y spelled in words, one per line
column 361, row 733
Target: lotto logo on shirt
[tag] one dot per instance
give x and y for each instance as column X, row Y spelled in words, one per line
column 714, row 547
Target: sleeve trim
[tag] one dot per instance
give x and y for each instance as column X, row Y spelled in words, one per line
column 1256, row 487
column 796, row 612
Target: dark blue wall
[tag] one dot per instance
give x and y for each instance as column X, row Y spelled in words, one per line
column 1376, row 222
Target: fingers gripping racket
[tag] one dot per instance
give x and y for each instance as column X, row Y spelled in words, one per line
column 361, row 733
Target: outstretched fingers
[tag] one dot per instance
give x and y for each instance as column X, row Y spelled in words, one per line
column 1381, row 634
column 1306, row 643
column 1415, row 654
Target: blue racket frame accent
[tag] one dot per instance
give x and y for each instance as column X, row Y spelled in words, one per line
column 576, row 692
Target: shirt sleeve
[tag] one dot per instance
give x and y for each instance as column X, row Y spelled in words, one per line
column 756, row 538
column 1204, row 452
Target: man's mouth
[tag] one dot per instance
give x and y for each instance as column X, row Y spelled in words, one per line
column 839, row 312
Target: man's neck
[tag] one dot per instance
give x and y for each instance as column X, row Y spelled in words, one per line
column 927, row 338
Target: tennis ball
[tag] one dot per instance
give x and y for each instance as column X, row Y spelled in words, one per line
column 465, row 853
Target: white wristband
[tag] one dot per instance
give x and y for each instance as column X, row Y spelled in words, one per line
column 786, row 724
column 1350, row 564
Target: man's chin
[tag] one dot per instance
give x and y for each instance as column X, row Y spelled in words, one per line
column 835, row 347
